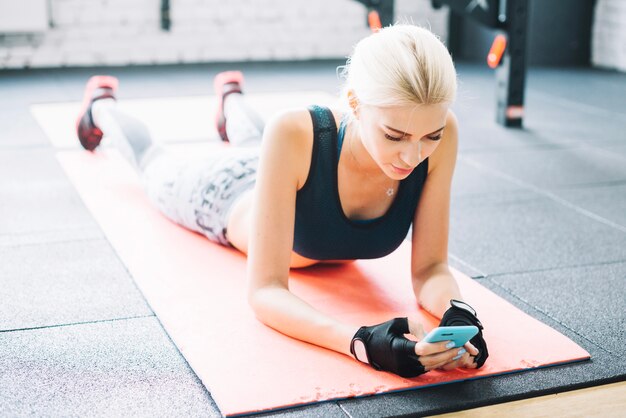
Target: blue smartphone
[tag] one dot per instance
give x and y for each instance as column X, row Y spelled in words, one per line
column 460, row 335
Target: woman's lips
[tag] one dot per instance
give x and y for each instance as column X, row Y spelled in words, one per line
column 403, row 171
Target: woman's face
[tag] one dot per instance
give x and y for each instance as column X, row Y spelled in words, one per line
column 399, row 138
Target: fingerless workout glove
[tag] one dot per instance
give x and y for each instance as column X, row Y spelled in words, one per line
column 456, row 316
column 387, row 349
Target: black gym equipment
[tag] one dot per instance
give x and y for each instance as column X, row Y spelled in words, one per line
column 166, row 21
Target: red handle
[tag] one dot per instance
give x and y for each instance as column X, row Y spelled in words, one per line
column 496, row 51
column 374, row 21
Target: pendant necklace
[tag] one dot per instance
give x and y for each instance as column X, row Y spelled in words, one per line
column 390, row 191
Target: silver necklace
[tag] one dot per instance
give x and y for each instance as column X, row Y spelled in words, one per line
column 390, row 191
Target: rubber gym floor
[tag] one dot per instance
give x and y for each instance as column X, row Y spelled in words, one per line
column 538, row 216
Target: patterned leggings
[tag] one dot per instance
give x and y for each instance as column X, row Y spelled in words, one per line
column 195, row 193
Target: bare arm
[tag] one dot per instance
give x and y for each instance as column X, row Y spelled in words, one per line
column 433, row 283
column 285, row 160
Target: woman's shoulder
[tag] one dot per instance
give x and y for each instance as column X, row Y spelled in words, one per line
column 289, row 132
column 288, row 141
column 299, row 120
column 289, row 137
column 295, row 126
column 293, row 120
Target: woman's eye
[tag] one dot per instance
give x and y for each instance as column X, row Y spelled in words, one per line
column 435, row 138
column 392, row 138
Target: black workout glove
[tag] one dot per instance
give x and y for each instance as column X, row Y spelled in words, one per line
column 385, row 348
column 460, row 315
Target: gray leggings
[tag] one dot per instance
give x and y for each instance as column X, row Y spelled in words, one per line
column 195, row 193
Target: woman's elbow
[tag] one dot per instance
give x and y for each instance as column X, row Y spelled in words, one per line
column 260, row 301
column 254, row 300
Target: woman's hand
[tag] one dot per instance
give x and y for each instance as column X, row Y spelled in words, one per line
column 385, row 347
column 461, row 314
column 438, row 356
column 466, row 360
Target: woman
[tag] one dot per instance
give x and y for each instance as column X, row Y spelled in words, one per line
column 311, row 192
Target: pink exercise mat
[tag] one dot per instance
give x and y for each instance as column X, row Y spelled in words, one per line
column 196, row 288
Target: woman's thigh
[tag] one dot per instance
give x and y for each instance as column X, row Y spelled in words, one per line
column 199, row 193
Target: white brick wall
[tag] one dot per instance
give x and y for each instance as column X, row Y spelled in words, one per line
column 23, row 15
column 608, row 44
column 122, row 32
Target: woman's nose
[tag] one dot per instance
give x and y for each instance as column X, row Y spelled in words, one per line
column 412, row 154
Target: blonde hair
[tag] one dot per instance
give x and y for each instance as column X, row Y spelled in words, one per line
column 398, row 66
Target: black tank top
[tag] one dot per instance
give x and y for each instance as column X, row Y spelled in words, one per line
column 322, row 230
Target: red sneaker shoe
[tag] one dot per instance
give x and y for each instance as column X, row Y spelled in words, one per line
column 224, row 84
column 98, row 87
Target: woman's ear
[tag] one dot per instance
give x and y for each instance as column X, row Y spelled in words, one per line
column 353, row 101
